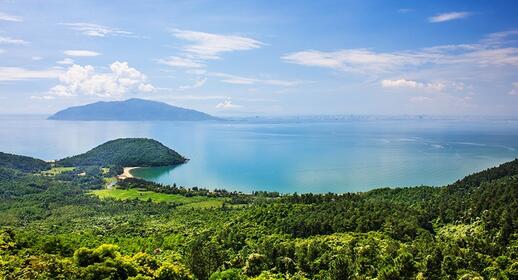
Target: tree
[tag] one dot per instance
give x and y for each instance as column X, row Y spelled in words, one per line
column 341, row 267
column 255, row 264
column 229, row 274
column 170, row 271
column 204, row 257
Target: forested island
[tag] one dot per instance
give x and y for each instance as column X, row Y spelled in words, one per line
column 72, row 219
column 134, row 109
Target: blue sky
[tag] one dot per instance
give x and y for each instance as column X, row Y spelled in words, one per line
column 263, row 57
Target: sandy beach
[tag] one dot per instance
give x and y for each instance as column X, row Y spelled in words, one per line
column 126, row 173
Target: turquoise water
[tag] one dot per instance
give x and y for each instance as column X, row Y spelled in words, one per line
column 287, row 156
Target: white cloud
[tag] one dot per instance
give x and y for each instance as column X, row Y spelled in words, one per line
column 36, row 58
column 7, row 17
column 210, row 45
column 353, row 60
column 448, row 16
column 514, row 90
column 206, row 46
column 43, row 97
column 500, row 38
column 499, row 56
column 227, row 104
column 2, row 51
column 403, row 83
column 8, row 40
column 81, row 53
column 65, row 61
column 146, row 88
column 239, row 80
column 85, row 80
column 181, row 62
column 96, row 30
column 199, row 83
column 18, row 74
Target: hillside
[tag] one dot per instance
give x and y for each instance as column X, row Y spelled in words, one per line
column 23, row 163
column 126, row 152
column 130, row 110
column 63, row 225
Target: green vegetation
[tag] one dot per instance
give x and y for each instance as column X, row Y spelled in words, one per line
column 142, row 194
column 57, row 227
column 109, row 181
column 126, row 152
column 57, row 170
column 23, row 163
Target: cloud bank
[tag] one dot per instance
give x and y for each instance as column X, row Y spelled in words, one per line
column 492, row 58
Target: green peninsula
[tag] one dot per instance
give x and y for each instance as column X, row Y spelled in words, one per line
column 127, row 152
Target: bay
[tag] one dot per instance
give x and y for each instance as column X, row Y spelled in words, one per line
column 288, row 155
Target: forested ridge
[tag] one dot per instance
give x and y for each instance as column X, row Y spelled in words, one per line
column 23, row 163
column 52, row 226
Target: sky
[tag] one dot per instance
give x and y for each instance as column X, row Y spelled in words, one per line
column 248, row 58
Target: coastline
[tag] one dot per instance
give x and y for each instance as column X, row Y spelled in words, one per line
column 126, row 173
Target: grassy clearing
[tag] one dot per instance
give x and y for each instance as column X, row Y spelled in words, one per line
column 109, row 180
column 194, row 202
column 57, row 170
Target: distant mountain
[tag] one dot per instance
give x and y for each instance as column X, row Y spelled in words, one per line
column 126, row 152
column 23, row 163
column 130, row 110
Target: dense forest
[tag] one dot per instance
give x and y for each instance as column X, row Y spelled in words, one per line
column 126, row 152
column 22, row 163
column 54, row 226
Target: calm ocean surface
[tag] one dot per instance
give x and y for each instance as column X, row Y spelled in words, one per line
column 287, row 156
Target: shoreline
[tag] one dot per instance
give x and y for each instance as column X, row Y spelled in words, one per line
column 126, row 173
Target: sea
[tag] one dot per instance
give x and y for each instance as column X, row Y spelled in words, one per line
column 289, row 154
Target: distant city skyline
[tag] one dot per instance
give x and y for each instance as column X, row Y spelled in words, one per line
column 247, row 58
